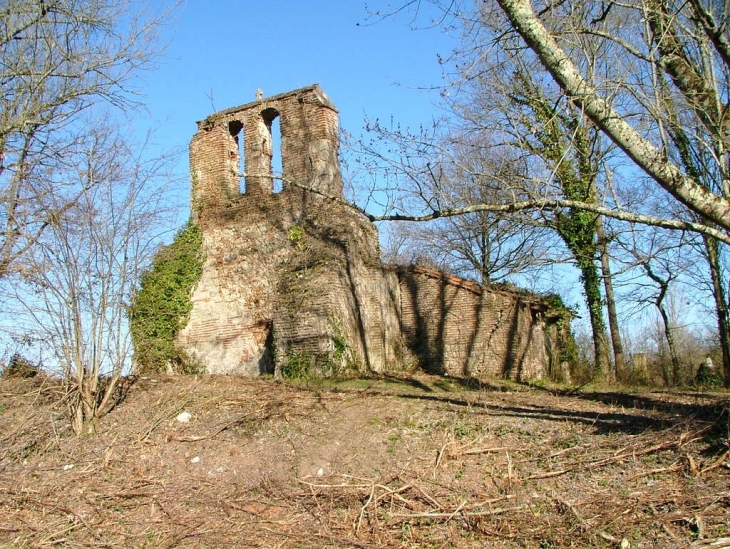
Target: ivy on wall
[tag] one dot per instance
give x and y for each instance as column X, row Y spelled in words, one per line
column 337, row 362
column 162, row 304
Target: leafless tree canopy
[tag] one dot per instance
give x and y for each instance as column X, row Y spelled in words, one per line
column 70, row 292
column 653, row 76
column 61, row 59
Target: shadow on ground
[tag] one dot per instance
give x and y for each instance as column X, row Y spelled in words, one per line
column 706, row 414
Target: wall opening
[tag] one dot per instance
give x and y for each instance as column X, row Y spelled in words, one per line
column 272, row 120
column 238, row 155
column 276, row 162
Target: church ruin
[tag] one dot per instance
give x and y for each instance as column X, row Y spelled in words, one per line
column 294, row 277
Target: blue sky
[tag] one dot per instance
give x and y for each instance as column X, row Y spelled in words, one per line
column 221, row 51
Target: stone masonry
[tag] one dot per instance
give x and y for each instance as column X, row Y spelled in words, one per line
column 292, row 273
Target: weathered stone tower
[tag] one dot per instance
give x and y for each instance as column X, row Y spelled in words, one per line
column 294, row 276
column 289, row 273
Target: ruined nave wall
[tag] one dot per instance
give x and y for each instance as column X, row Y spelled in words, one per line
column 292, row 273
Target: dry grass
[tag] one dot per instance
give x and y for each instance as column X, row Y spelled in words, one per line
column 412, row 462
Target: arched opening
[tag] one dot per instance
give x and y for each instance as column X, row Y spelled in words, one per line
column 271, row 118
column 238, row 155
column 276, row 163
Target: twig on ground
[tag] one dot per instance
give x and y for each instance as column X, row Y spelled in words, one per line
column 362, row 510
column 167, row 412
column 583, row 524
column 715, row 464
column 450, row 515
column 215, row 433
column 673, row 468
column 468, row 450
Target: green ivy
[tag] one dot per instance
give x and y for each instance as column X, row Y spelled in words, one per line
column 566, row 341
column 709, row 378
column 556, row 302
column 296, row 235
column 298, row 366
column 162, row 304
column 303, row 365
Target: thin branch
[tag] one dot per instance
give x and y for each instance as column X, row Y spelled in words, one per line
column 524, row 205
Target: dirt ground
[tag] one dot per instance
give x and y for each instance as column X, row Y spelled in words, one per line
column 391, row 462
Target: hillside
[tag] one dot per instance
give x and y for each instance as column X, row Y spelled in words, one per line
column 392, row 462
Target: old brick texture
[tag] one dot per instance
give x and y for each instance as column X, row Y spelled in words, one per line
column 297, row 273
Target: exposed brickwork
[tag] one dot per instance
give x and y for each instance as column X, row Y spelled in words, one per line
column 294, row 273
column 460, row 329
column 309, row 140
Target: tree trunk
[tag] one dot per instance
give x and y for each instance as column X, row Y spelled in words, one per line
column 618, row 348
column 643, row 153
column 676, row 374
column 592, row 289
column 721, row 306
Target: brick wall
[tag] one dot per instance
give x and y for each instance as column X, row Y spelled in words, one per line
column 295, row 272
column 458, row 328
column 309, row 142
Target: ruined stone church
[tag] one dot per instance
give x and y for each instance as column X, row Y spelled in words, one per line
column 292, row 275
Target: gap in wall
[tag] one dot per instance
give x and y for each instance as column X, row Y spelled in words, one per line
column 235, row 128
column 276, row 163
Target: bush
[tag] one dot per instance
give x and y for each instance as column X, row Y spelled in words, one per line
column 708, row 375
column 302, row 365
column 162, row 304
column 582, row 372
column 298, row 365
column 20, row 367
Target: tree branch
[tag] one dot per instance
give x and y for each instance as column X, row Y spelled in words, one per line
column 685, row 189
column 519, row 206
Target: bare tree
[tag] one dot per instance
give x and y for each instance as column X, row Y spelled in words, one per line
column 658, row 262
column 662, row 293
column 652, row 75
column 70, row 291
column 487, row 246
column 61, row 59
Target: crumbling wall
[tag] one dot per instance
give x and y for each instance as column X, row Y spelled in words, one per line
column 293, row 273
column 458, row 328
column 286, row 273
